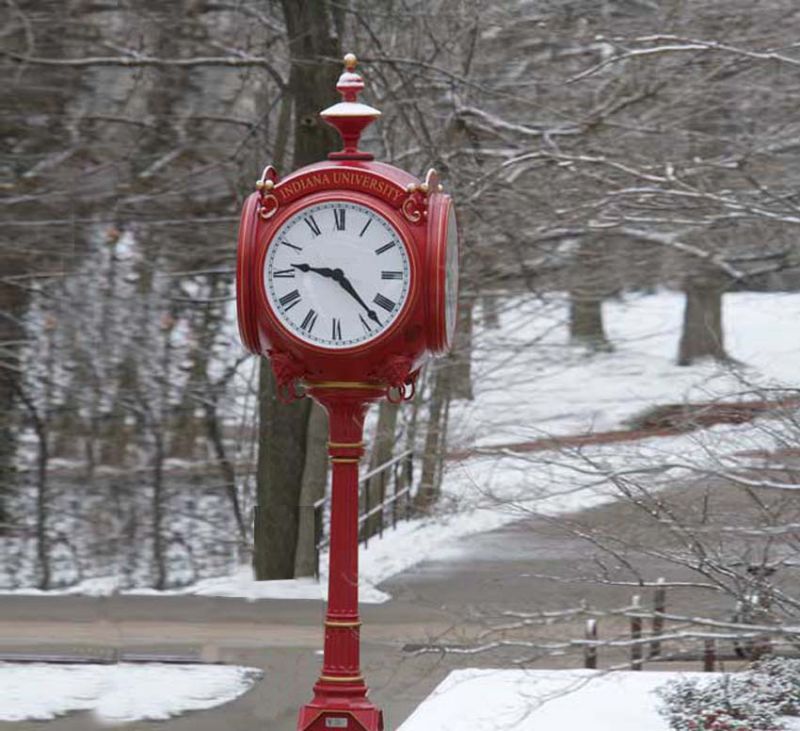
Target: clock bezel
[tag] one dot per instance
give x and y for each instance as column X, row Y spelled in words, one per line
column 247, row 246
column 378, row 207
column 440, row 205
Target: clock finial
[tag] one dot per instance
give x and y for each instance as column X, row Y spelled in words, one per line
column 350, row 61
column 350, row 116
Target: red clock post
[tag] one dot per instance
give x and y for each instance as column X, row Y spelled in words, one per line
column 347, row 279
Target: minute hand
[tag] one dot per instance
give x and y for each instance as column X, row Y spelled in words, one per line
column 344, row 282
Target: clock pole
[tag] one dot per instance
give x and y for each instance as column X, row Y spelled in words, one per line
column 340, row 694
column 347, row 377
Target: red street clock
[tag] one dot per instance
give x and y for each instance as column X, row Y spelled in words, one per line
column 347, row 280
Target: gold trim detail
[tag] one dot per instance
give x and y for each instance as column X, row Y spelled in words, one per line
column 336, row 679
column 354, row 445
column 344, row 384
column 342, row 624
column 267, row 213
column 412, row 215
column 345, row 460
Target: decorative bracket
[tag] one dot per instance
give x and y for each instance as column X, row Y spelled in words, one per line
column 415, row 206
column 400, row 381
column 287, row 371
column 264, row 185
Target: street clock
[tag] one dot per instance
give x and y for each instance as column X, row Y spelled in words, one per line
column 347, row 280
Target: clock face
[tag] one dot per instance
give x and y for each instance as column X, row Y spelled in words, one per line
column 337, row 274
column 451, row 275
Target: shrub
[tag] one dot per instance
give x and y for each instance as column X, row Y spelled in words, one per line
column 753, row 700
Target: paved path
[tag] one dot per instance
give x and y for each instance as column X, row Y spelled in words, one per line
column 435, row 601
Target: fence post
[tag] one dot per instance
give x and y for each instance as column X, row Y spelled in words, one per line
column 365, row 523
column 396, row 480
column 382, row 496
column 409, row 470
column 318, row 508
column 709, row 655
column 659, row 607
column 636, row 634
column 590, row 651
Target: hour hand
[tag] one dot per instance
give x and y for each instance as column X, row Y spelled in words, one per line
column 324, row 271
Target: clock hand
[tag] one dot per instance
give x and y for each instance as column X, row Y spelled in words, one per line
column 344, row 282
column 324, row 271
column 338, row 276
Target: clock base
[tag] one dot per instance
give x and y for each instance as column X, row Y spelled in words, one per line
column 340, row 708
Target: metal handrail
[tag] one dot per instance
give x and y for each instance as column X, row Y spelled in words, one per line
column 385, row 466
column 382, row 505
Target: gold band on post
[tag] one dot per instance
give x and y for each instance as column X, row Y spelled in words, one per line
column 343, row 384
column 345, row 460
column 350, row 445
column 334, row 679
column 350, row 625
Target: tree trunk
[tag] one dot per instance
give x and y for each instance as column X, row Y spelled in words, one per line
column 702, row 335
column 382, row 448
column 279, row 477
column 586, row 322
column 491, row 312
column 159, row 549
column 587, row 288
column 435, row 440
column 313, row 44
column 13, row 302
column 315, row 478
column 461, row 358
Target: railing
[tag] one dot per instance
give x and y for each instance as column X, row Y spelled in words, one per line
column 373, row 519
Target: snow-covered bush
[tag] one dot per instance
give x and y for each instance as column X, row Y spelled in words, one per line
column 781, row 683
column 754, row 700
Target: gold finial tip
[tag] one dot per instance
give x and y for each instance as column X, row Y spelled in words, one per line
column 350, row 61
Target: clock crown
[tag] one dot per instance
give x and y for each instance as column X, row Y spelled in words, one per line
column 350, row 116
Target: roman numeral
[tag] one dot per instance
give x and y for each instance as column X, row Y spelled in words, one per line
column 391, row 275
column 338, row 218
column 366, row 226
column 309, row 321
column 290, row 300
column 336, row 329
column 283, row 274
column 384, row 248
column 365, row 323
column 292, row 246
column 312, row 224
column 384, row 302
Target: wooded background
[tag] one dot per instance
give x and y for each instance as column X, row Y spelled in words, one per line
column 594, row 148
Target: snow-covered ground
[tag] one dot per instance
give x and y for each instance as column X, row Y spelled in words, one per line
column 546, row 700
column 529, row 383
column 117, row 693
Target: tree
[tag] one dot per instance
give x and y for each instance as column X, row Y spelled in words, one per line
column 313, row 47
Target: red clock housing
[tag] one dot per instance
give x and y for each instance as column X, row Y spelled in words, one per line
column 420, row 213
column 346, row 370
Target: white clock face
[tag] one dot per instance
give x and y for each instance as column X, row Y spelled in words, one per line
column 451, row 275
column 337, row 274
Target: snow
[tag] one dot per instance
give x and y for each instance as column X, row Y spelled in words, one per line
column 529, row 382
column 241, row 584
column 490, row 491
column 545, row 700
column 117, row 693
column 560, row 389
